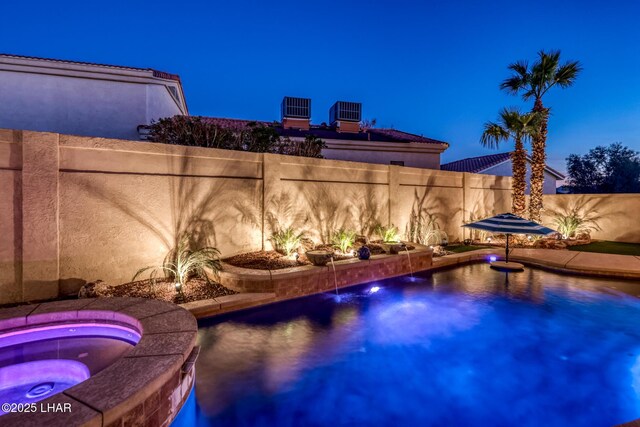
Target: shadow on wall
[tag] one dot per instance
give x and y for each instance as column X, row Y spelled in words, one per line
column 433, row 211
column 481, row 208
column 202, row 208
column 327, row 210
column 427, row 213
column 319, row 208
column 367, row 211
column 357, row 207
column 591, row 214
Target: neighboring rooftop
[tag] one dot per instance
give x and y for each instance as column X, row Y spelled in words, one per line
column 476, row 164
column 156, row 73
column 482, row 163
column 328, row 132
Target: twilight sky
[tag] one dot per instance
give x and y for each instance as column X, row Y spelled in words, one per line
column 428, row 67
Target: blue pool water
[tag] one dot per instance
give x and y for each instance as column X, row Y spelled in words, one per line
column 453, row 348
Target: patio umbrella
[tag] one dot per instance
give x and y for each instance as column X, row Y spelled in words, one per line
column 508, row 224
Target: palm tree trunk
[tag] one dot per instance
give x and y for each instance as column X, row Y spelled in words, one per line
column 519, row 172
column 538, row 163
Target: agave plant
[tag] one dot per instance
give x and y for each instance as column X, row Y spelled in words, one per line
column 182, row 263
column 388, row 234
column 343, row 239
column 286, row 240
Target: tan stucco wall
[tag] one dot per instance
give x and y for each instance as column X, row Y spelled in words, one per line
column 617, row 215
column 77, row 209
column 10, row 217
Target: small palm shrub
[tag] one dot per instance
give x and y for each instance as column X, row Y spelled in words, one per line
column 572, row 223
column 184, row 263
column 286, row 240
column 388, row 234
column 343, row 239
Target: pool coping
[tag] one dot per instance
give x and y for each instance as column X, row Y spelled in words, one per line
column 560, row 261
column 146, row 386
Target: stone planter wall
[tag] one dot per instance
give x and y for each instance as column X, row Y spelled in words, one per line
column 305, row 280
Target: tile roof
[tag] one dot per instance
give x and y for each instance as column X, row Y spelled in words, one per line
column 481, row 163
column 330, row 132
column 476, row 164
column 156, row 73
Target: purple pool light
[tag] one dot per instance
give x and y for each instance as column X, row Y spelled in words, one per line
column 38, row 362
column 30, row 382
column 493, row 258
column 72, row 330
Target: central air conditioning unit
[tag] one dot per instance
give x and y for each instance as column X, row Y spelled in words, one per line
column 346, row 116
column 296, row 112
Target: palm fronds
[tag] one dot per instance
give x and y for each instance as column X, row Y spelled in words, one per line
column 182, row 263
column 343, row 239
column 388, row 234
column 286, row 240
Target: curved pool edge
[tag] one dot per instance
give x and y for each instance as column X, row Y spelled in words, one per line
column 559, row 261
column 147, row 386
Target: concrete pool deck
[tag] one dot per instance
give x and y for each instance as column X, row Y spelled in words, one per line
column 561, row 261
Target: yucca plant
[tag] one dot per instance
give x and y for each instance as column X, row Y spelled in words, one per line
column 343, row 239
column 182, row 263
column 424, row 228
column 286, row 240
column 388, row 234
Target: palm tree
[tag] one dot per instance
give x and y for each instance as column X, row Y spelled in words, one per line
column 519, row 127
column 534, row 82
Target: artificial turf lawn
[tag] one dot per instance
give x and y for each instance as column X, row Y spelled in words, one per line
column 606, row 247
column 463, row 248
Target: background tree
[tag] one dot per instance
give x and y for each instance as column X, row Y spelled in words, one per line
column 519, row 127
column 310, row 147
column 367, row 124
column 252, row 136
column 190, row 131
column 533, row 83
column 612, row 169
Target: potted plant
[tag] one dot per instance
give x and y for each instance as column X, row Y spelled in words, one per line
column 319, row 258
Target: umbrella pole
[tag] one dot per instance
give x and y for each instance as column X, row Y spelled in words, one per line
column 507, row 249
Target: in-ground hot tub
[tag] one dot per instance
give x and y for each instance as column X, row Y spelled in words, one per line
column 106, row 361
column 38, row 362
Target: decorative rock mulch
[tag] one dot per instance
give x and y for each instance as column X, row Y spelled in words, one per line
column 164, row 290
column 264, row 260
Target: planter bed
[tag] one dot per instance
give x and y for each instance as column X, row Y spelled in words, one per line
column 308, row 279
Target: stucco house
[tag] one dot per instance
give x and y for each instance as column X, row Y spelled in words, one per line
column 346, row 139
column 81, row 98
column 111, row 101
column 500, row 165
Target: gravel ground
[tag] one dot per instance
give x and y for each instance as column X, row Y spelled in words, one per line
column 272, row 260
column 194, row 290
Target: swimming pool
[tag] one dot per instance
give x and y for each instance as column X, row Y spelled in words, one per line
column 469, row 346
